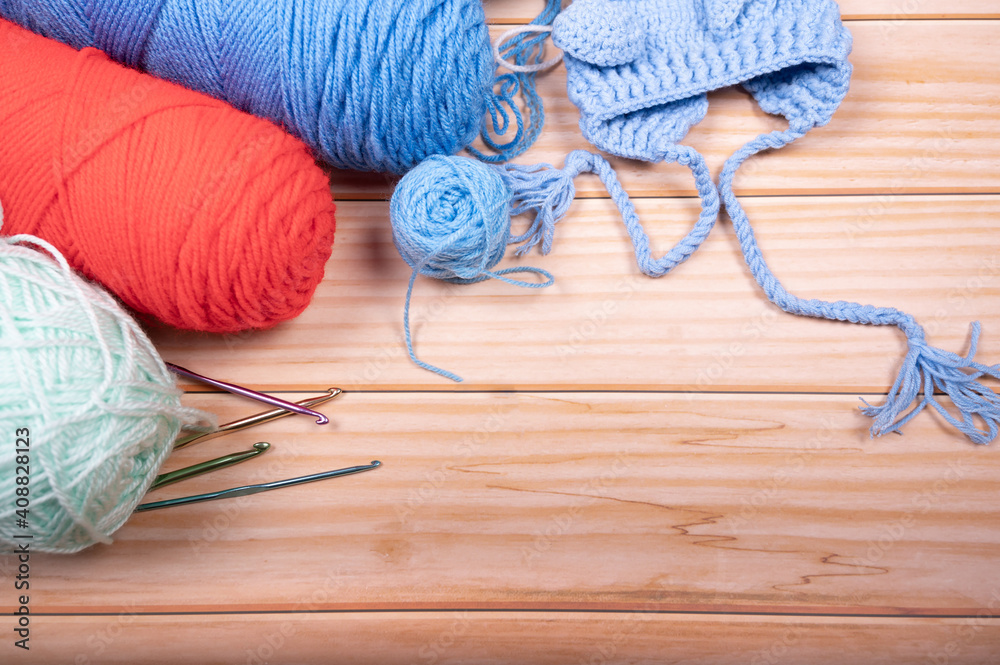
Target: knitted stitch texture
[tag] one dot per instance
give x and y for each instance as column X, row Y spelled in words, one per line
column 639, row 71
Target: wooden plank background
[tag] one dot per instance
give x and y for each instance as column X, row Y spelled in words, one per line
column 634, row 470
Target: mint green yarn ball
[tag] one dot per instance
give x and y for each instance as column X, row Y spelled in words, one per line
column 83, row 387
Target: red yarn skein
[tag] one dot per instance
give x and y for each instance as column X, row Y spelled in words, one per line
column 191, row 211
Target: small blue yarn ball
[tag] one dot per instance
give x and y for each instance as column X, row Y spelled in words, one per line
column 451, row 218
column 89, row 409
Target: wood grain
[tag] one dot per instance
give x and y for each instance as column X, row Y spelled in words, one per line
column 922, row 116
column 574, row 501
column 604, row 325
column 540, row 638
column 635, row 470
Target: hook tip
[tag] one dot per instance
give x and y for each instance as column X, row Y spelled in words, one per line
column 322, row 420
column 261, row 446
column 375, row 462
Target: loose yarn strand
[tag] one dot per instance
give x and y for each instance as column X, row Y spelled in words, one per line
column 526, row 47
column 524, row 69
column 924, row 369
column 498, row 275
column 548, row 193
column 409, row 338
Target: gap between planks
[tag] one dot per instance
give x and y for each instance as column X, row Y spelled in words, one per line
column 706, row 327
column 552, row 638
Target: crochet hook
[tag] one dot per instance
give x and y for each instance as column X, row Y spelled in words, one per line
column 252, row 394
column 211, row 465
column 256, row 419
column 247, row 490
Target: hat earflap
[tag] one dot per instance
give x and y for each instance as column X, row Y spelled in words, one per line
column 807, row 94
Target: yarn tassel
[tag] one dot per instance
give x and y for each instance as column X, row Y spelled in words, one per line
column 926, row 370
column 548, row 193
column 543, row 190
column 929, row 370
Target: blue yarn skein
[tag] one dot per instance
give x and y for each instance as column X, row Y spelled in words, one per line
column 374, row 86
column 451, row 218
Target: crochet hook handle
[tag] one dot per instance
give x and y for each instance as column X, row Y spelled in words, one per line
column 247, row 490
column 252, row 394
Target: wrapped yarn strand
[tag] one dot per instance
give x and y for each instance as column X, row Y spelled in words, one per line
column 97, row 407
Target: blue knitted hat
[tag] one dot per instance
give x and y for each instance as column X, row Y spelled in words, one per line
column 639, row 71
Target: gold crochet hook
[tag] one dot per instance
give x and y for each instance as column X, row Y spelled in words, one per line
column 256, row 419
